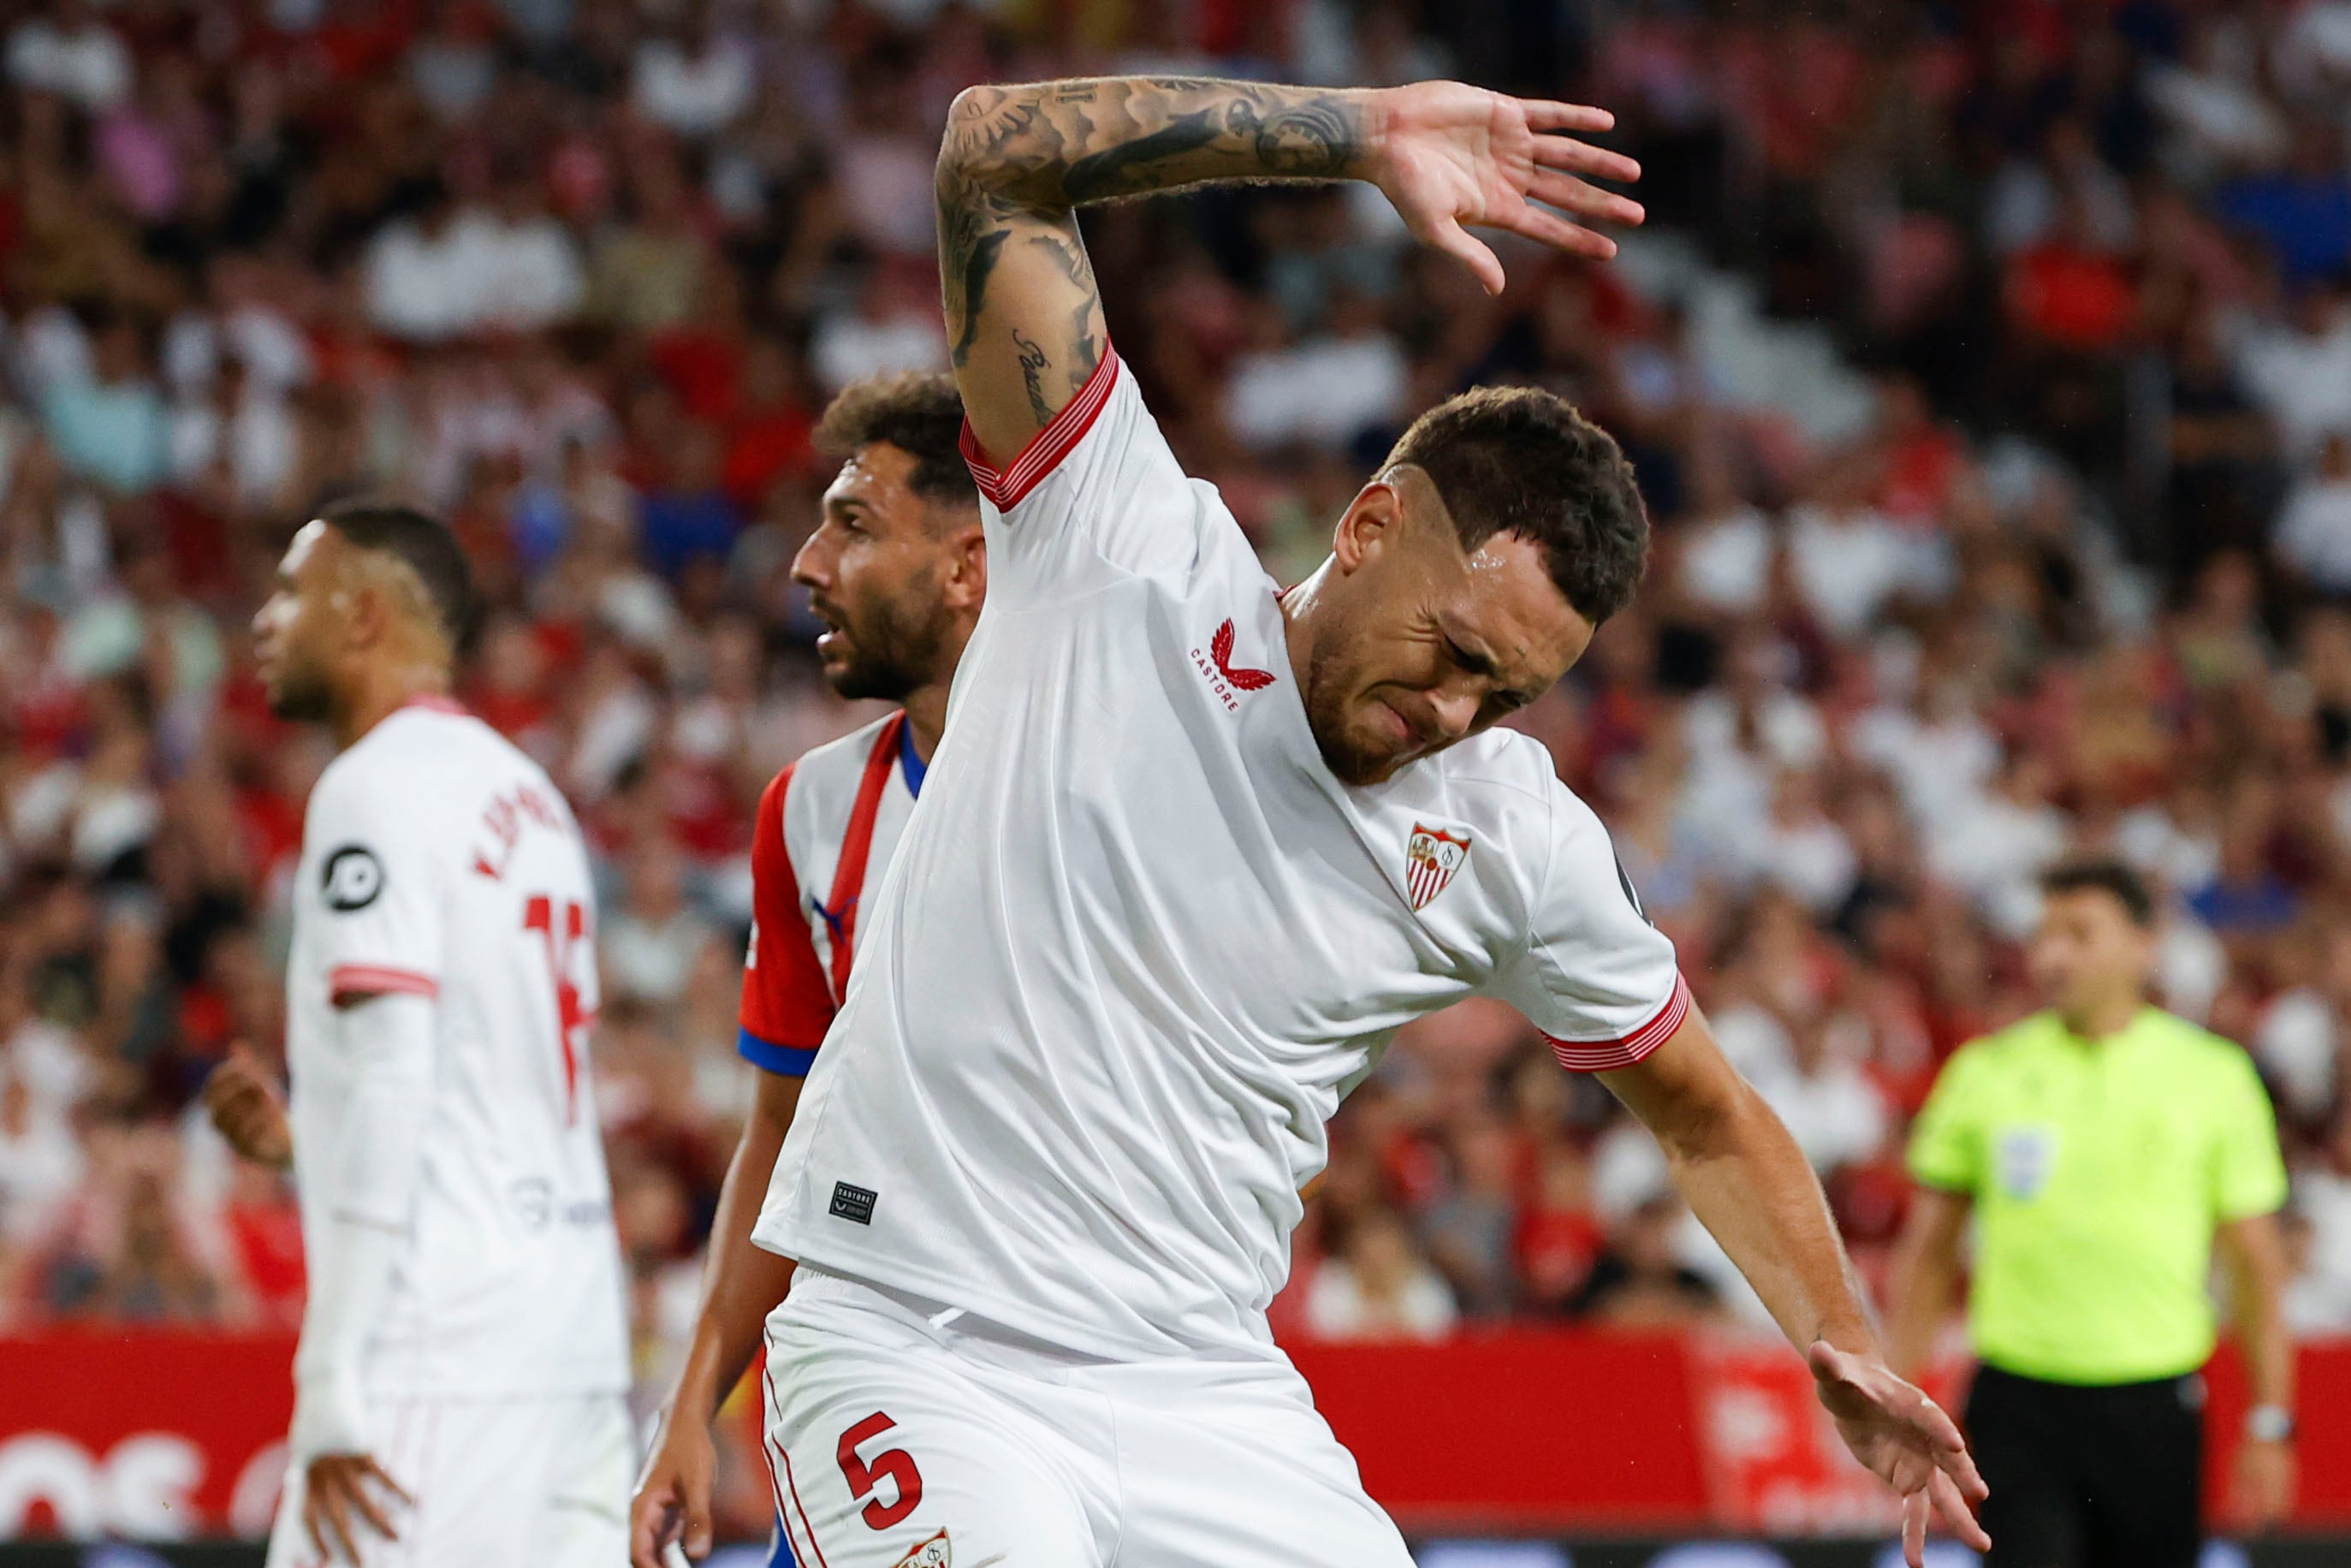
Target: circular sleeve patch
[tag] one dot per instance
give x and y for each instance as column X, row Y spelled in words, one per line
column 351, row 879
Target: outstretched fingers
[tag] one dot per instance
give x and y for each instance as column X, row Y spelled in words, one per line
column 1950, row 1447
column 1542, row 225
column 1572, row 195
column 1550, row 114
column 330, row 1528
column 371, row 1509
column 1914, row 1509
column 1582, row 158
column 1447, row 234
column 1961, row 1466
column 1957, row 1515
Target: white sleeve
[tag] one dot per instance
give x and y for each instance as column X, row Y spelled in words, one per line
column 1596, row 977
column 1096, row 494
column 370, row 1177
column 376, row 890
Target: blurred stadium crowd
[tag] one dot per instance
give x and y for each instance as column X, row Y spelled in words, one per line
column 1987, row 368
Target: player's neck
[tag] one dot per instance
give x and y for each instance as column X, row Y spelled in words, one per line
column 926, row 704
column 1298, row 602
column 383, row 692
column 927, row 717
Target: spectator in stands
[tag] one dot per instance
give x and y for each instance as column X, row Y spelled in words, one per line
column 73, row 54
column 110, row 427
column 1640, row 1280
column 653, row 941
column 2314, row 529
column 1473, row 1225
column 1378, row 1287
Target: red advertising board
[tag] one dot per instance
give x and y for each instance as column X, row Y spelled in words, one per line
column 168, row 1437
column 1579, row 1431
column 1518, row 1431
column 157, row 1437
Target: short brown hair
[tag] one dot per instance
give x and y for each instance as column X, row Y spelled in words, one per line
column 425, row 543
column 1518, row 460
column 918, row 412
column 2103, row 873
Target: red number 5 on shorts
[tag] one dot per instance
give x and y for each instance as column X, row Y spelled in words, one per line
column 896, row 1463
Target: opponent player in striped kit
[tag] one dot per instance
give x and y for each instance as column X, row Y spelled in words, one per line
column 897, row 569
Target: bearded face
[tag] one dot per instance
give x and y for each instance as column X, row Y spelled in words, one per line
column 875, row 570
column 294, row 631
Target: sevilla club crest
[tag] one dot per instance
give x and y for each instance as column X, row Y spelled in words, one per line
column 1431, row 856
column 931, row 1554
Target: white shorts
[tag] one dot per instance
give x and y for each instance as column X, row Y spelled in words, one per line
column 894, row 1442
column 494, row 1484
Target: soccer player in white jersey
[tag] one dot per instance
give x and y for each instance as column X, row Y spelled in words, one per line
column 897, row 569
column 1188, row 855
column 460, row 1389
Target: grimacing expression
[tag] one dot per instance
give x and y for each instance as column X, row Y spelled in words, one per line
column 2087, row 950
column 298, row 631
column 1428, row 643
column 873, row 570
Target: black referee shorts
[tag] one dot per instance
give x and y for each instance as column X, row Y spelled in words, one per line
column 2107, row 1477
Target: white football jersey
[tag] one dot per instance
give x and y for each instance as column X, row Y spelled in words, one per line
column 1138, row 940
column 438, row 860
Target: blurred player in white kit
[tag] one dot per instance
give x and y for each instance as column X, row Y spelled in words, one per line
column 460, row 1386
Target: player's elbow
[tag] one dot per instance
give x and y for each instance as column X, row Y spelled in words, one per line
column 1718, row 1116
column 990, row 143
column 963, row 145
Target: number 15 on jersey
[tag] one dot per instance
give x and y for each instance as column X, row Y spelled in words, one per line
column 562, row 926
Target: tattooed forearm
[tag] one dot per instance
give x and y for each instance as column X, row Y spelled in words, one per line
column 1018, row 161
column 1062, row 144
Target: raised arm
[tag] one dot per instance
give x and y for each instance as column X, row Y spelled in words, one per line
column 1023, row 312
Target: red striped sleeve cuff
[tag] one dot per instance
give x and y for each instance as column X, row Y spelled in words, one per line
column 1602, row 1055
column 1005, row 486
column 346, row 982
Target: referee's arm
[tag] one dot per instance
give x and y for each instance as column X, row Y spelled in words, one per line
column 2252, row 1250
column 1924, row 1283
column 1946, row 1157
column 2249, row 1188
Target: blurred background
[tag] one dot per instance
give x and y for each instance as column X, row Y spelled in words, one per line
column 1987, row 365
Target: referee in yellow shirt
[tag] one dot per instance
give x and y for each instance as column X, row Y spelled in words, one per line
column 2102, row 1145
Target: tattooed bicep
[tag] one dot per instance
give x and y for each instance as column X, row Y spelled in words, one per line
column 1022, row 312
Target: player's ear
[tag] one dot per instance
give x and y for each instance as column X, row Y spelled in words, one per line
column 366, row 609
column 1370, row 522
column 966, row 583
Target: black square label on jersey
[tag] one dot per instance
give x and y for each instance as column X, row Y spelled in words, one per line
column 852, row 1203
